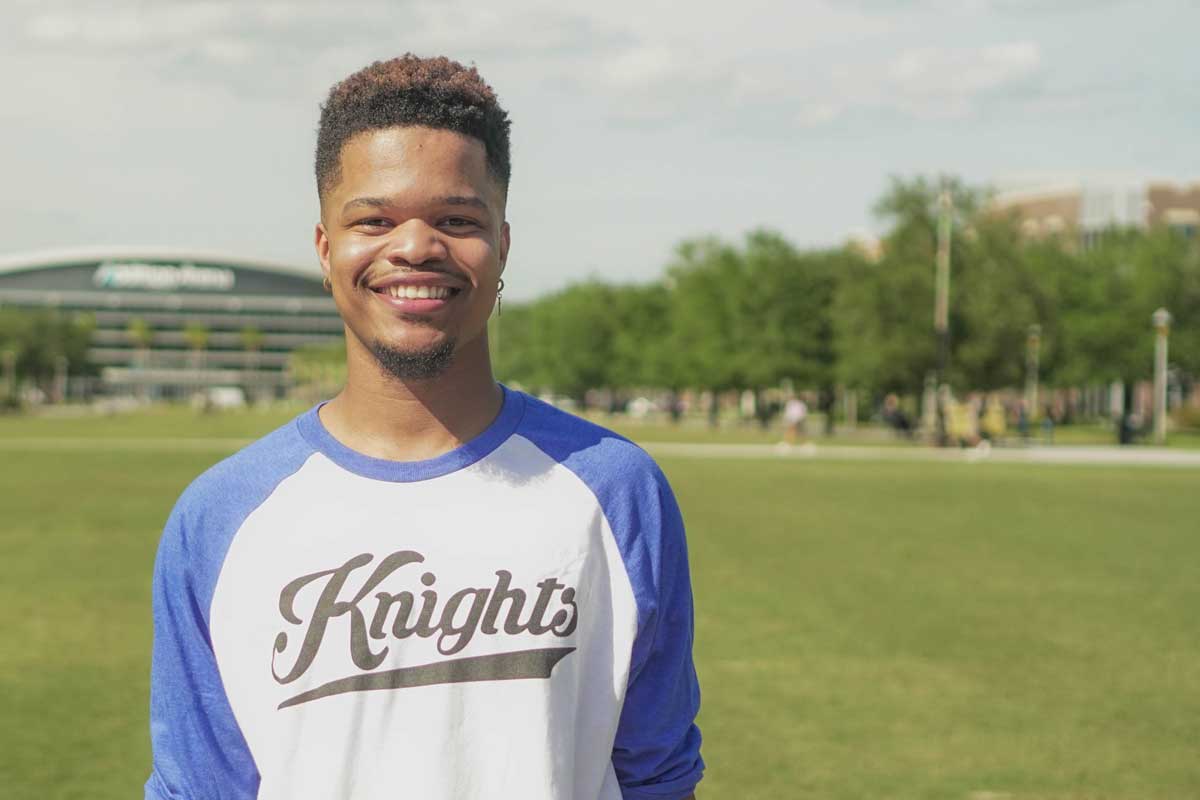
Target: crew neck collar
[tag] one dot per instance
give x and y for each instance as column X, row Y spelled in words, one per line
column 502, row 427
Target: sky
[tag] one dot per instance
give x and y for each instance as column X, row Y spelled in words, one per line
column 637, row 124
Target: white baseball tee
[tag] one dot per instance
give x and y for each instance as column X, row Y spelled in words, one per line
column 512, row 619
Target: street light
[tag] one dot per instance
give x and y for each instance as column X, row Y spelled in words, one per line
column 1033, row 345
column 1162, row 325
column 941, row 305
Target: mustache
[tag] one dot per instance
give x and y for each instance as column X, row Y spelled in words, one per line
column 373, row 273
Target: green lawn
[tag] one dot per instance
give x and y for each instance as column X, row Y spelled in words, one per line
column 865, row 630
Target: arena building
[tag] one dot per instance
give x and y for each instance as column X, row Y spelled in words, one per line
column 1085, row 211
column 169, row 323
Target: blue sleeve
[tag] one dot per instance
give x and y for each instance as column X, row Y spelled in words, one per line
column 657, row 751
column 656, row 754
column 199, row 750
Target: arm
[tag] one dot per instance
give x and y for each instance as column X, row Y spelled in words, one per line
column 656, row 754
column 199, row 751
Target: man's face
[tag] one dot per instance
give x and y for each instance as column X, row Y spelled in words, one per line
column 413, row 241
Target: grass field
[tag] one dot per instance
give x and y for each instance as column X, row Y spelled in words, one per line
column 865, row 630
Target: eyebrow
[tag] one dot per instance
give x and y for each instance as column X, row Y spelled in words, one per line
column 384, row 202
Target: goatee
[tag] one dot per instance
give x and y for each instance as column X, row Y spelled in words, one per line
column 410, row 365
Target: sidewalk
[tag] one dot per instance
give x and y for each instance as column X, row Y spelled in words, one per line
column 1059, row 454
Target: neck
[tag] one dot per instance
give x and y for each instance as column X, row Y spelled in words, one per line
column 382, row 416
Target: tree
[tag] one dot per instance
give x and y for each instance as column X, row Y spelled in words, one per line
column 706, row 336
column 39, row 340
column 141, row 335
column 196, row 335
column 318, row 370
column 252, row 339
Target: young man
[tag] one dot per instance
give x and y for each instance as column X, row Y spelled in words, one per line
column 430, row 586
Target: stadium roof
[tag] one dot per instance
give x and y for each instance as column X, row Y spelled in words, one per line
column 65, row 256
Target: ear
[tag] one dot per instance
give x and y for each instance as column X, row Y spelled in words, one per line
column 321, row 240
column 505, row 243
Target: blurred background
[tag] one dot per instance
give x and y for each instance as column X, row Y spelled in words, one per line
column 905, row 297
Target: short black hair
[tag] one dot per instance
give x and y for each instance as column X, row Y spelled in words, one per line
column 412, row 91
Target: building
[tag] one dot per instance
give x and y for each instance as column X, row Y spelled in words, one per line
column 1084, row 211
column 168, row 323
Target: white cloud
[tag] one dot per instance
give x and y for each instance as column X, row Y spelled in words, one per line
column 963, row 73
column 129, row 26
column 814, row 115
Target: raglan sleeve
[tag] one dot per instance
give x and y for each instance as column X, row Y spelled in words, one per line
column 656, row 754
column 198, row 748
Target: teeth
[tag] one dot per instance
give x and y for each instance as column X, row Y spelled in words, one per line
column 418, row 292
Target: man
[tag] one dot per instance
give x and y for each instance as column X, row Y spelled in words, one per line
column 430, row 586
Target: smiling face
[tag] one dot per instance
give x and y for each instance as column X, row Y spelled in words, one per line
column 413, row 240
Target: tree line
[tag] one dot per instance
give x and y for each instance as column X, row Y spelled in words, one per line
column 761, row 312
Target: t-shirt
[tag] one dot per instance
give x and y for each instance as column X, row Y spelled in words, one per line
column 512, row 619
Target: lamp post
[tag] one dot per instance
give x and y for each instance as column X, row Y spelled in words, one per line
column 1162, row 325
column 9, row 359
column 1033, row 346
column 941, row 305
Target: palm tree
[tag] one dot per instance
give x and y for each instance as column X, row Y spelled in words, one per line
column 196, row 334
column 252, row 342
column 141, row 335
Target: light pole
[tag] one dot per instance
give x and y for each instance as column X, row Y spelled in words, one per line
column 1162, row 325
column 941, row 305
column 9, row 358
column 1033, row 346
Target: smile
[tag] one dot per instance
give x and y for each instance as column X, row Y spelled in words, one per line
column 411, row 292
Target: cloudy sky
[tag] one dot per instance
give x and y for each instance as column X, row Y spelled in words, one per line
column 637, row 123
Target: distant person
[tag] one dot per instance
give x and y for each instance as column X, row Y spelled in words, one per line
column 795, row 415
column 957, row 426
column 993, row 424
column 1023, row 421
column 1126, row 429
column 430, row 586
column 894, row 416
column 1048, row 425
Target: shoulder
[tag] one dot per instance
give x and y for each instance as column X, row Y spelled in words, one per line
column 604, row 460
column 213, row 507
column 247, row 474
column 211, row 510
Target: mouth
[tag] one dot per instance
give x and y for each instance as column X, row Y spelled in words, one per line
column 416, row 295
column 416, row 292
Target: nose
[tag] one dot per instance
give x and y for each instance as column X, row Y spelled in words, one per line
column 415, row 243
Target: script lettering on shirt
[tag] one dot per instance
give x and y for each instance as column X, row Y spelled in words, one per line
column 377, row 616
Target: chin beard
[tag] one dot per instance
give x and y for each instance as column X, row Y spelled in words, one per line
column 409, row 365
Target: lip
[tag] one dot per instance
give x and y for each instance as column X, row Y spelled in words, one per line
column 414, row 305
column 417, row 279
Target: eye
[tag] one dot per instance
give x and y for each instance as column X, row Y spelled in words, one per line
column 459, row 222
column 373, row 222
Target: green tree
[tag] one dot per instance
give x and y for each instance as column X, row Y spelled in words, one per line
column 318, row 370
column 39, row 339
column 196, row 335
column 141, row 335
column 707, row 331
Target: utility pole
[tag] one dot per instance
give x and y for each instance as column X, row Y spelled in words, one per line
column 9, row 358
column 941, row 306
column 1162, row 325
column 1033, row 346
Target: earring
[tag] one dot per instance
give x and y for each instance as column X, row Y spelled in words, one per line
column 499, row 295
column 328, row 286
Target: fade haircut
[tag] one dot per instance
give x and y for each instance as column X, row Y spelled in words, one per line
column 412, row 92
